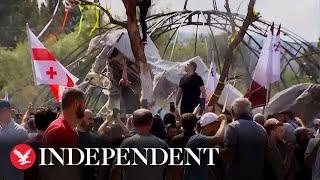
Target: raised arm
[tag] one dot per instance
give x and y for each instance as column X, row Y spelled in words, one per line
column 219, row 136
column 103, row 129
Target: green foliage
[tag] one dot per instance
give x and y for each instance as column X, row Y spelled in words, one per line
column 13, row 17
column 16, row 75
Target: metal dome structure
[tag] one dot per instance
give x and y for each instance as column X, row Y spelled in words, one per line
column 294, row 49
column 298, row 56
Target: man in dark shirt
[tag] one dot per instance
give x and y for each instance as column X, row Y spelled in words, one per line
column 142, row 122
column 191, row 86
column 245, row 143
column 188, row 122
column 42, row 119
column 86, row 140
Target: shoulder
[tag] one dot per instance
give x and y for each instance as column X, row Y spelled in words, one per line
column 233, row 125
column 19, row 128
column 56, row 128
column 129, row 141
column 313, row 142
column 197, row 76
column 177, row 137
column 198, row 138
column 21, row 131
column 158, row 141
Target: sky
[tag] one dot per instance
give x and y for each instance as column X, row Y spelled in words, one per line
column 299, row 16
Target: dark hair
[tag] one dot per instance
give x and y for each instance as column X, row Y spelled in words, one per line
column 188, row 121
column 70, row 96
column 142, row 117
column 169, row 119
column 43, row 117
column 158, row 129
column 194, row 65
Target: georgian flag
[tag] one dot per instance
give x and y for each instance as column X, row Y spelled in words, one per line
column 46, row 69
column 267, row 70
column 211, row 79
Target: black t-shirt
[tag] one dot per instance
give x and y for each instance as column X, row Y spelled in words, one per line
column 87, row 140
column 190, row 86
column 202, row 171
column 181, row 140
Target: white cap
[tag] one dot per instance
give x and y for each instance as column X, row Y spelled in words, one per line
column 208, row 118
column 316, row 121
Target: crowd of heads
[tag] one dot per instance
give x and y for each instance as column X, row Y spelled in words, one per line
column 177, row 130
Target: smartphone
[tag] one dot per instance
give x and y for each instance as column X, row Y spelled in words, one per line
column 115, row 112
column 202, row 103
column 172, row 107
column 144, row 103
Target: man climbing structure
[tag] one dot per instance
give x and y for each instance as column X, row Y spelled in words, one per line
column 144, row 6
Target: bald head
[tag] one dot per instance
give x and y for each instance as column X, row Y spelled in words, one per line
column 241, row 107
column 87, row 121
column 142, row 118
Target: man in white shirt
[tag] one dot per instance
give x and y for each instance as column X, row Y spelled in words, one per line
column 11, row 134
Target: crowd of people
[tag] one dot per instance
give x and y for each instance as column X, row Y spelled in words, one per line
column 250, row 147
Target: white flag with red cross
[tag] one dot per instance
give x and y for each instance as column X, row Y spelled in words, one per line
column 46, row 69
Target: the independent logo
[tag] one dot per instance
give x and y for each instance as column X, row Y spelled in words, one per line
column 22, row 156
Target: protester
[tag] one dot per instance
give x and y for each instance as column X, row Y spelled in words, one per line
column 171, row 128
column 289, row 124
column 158, row 128
column 97, row 121
column 62, row 133
column 316, row 123
column 312, row 157
column 86, row 137
column 142, row 122
column 303, row 135
column 276, row 168
column 42, row 118
column 144, row 6
column 245, row 143
column 188, row 122
column 259, row 118
column 110, row 136
column 211, row 135
column 191, row 86
column 11, row 134
column 87, row 140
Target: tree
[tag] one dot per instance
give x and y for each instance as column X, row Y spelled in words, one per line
column 235, row 40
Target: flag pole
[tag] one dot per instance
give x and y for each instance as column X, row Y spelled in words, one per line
column 29, row 44
column 267, row 99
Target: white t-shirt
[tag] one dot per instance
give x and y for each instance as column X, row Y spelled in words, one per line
column 316, row 166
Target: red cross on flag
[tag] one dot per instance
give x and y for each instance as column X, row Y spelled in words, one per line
column 46, row 69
